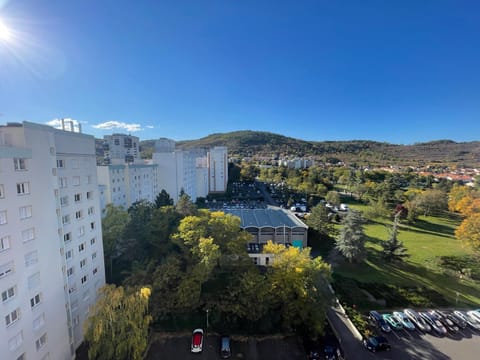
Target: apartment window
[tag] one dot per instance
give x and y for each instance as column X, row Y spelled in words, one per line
column 91, row 210
column 67, row 237
column 60, row 163
column 92, row 225
column 31, row 258
column 63, row 182
column 76, row 320
column 90, row 195
column 75, row 163
column 76, row 180
column 84, row 279
column 74, row 305
column 28, row 234
column 78, row 197
column 86, row 295
column 70, row 271
column 81, row 247
column 95, row 271
column 12, row 317
column 81, row 231
column 66, row 219
column 78, row 214
column 38, row 322
column 15, row 342
column 89, row 179
column 3, row 217
column 69, row 255
column 72, row 289
column 20, row 164
column 34, row 281
column 25, row 212
column 92, row 241
column 23, row 188
column 34, row 301
column 41, row 341
column 64, row 200
column 94, row 255
column 8, row 294
column 2, row 191
column 4, row 243
column 83, row 262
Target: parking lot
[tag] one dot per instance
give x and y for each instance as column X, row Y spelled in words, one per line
column 177, row 347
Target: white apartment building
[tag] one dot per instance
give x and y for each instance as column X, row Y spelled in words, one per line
column 51, row 252
column 176, row 169
column 121, row 148
column 123, row 185
column 217, row 169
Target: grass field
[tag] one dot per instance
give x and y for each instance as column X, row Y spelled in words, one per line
column 426, row 240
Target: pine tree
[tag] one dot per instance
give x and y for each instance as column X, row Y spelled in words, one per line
column 393, row 249
column 351, row 241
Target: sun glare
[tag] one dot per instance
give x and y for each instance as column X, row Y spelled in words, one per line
column 5, row 33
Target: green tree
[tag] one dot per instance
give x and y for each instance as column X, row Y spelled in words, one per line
column 117, row 327
column 432, row 201
column 393, row 249
column 351, row 241
column 319, row 221
column 163, row 199
column 333, row 197
column 185, row 206
column 113, row 232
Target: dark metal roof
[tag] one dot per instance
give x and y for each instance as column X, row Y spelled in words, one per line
column 270, row 217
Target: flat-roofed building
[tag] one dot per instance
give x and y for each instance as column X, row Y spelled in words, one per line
column 51, row 251
column 273, row 223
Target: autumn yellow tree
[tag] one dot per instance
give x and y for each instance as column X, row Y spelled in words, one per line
column 469, row 231
column 117, row 327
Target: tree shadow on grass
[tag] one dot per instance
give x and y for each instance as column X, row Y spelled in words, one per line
column 432, row 228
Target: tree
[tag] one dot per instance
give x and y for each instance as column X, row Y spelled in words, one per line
column 432, row 201
column 117, row 327
column 185, row 206
column 333, row 197
column 393, row 249
column 299, row 284
column 113, row 232
column 319, row 221
column 469, row 231
column 163, row 199
column 351, row 241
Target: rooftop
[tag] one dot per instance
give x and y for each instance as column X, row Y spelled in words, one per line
column 270, row 217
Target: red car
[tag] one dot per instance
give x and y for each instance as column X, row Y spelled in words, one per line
column 197, row 341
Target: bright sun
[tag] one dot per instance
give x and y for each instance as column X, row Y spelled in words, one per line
column 5, row 33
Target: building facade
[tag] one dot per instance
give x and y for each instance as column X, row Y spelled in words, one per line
column 121, row 148
column 217, row 169
column 123, row 185
column 51, row 252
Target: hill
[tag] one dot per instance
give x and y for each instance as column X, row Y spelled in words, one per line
column 266, row 145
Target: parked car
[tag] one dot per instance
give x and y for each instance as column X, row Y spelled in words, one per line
column 462, row 324
column 449, row 324
column 404, row 320
column 225, row 351
column 472, row 322
column 475, row 314
column 417, row 320
column 197, row 341
column 330, row 352
column 378, row 319
column 436, row 325
column 376, row 343
column 393, row 322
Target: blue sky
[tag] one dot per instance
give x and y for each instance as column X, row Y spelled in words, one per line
column 396, row 71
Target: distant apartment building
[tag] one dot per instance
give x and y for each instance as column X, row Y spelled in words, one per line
column 51, row 252
column 121, row 148
column 217, row 169
column 125, row 184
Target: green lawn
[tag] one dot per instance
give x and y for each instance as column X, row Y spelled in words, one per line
column 428, row 239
